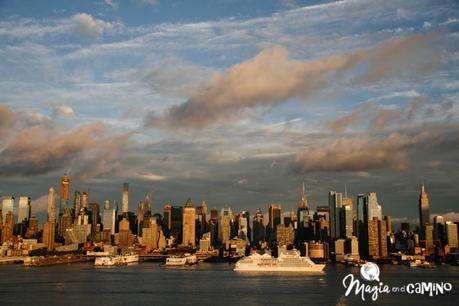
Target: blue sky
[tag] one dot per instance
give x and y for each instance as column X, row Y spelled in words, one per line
column 232, row 102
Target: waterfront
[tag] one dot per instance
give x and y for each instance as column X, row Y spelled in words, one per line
column 204, row 284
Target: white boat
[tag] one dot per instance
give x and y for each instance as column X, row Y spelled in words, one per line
column 117, row 260
column 289, row 261
column 186, row 259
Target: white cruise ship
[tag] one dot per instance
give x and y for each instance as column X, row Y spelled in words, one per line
column 117, row 260
column 289, row 261
column 186, row 259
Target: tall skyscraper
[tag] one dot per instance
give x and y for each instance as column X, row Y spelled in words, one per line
column 451, row 235
column 109, row 218
column 224, row 225
column 167, row 217
column 189, row 223
column 125, row 203
column 259, row 229
column 65, row 194
column 274, row 216
column 7, row 206
column 374, row 209
column 347, row 220
column 423, row 210
column 76, row 204
column 85, row 200
column 335, row 203
column 24, row 209
column 51, row 205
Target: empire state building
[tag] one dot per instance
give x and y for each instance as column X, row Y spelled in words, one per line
column 423, row 210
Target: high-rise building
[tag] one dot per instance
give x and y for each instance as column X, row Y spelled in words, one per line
column 76, row 204
column 224, row 225
column 109, row 218
column 374, row 209
column 65, row 194
column 201, row 220
column 214, row 213
column 451, row 234
column 189, row 223
column 335, row 203
column 125, row 202
column 51, row 205
column 85, row 200
column 285, row 235
column 259, row 229
column 7, row 206
column 388, row 220
column 376, row 245
column 360, row 216
column 24, row 210
column 303, row 219
column 439, row 229
column 176, row 223
column 244, row 230
column 347, row 220
column 167, row 217
column 274, row 216
column 423, row 210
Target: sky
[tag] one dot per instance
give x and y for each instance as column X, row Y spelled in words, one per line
column 232, row 102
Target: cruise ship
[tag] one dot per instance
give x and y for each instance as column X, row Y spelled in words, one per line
column 118, row 260
column 288, row 261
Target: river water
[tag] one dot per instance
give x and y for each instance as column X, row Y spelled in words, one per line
column 207, row 284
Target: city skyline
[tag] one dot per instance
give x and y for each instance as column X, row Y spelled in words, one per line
column 232, row 103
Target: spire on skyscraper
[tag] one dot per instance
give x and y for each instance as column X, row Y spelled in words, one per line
column 304, row 201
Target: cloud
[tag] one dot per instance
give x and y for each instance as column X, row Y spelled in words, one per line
column 359, row 153
column 90, row 28
column 7, row 120
column 149, row 2
column 272, row 77
column 62, row 111
column 112, row 4
column 39, row 205
column 40, row 146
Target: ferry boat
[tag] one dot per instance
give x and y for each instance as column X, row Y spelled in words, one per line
column 186, row 259
column 289, row 261
column 118, row 260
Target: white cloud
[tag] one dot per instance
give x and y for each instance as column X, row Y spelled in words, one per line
column 87, row 26
column 62, row 111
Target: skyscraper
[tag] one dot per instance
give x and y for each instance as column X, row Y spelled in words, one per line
column 259, row 230
column 7, row 206
column 335, row 203
column 24, row 209
column 76, row 204
column 51, row 205
column 85, row 200
column 125, row 202
column 374, row 209
column 347, row 220
column 109, row 218
column 423, row 210
column 224, row 225
column 303, row 217
column 451, row 235
column 274, row 216
column 65, row 194
column 189, row 223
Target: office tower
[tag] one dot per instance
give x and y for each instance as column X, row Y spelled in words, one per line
column 335, row 203
column 274, row 216
column 189, row 223
column 124, row 233
column 423, row 210
column 125, row 202
column 224, row 225
column 7, row 206
column 147, row 203
column 51, row 205
column 214, row 213
column 94, row 217
column 176, row 223
column 24, row 210
column 7, row 228
column 201, row 220
column 439, row 229
column 429, row 243
column 347, row 220
column 140, row 216
column 360, row 218
column 32, row 229
column 374, row 209
column 65, row 222
column 285, row 235
column 451, row 235
column 244, row 230
column 388, row 220
column 65, row 194
column 167, row 217
column 259, row 229
column 76, row 204
column 109, row 218
column 376, row 244
column 85, row 199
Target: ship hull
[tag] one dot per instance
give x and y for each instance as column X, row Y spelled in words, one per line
column 314, row 269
